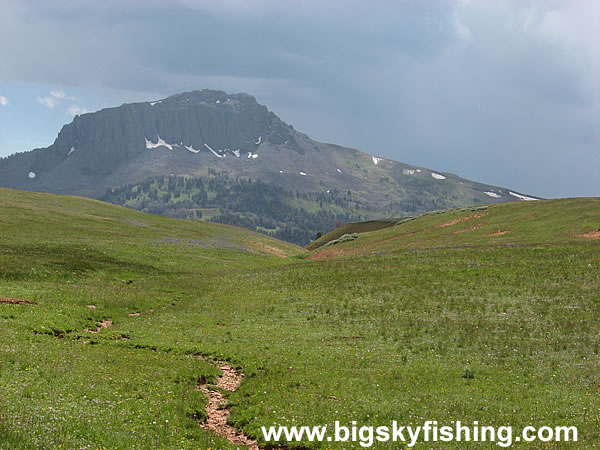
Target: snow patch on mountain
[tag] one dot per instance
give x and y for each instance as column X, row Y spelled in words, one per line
column 190, row 148
column 31, row 175
column 213, row 152
column 522, row 197
column 492, row 194
column 376, row 160
column 302, row 173
column 159, row 143
column 71, row 151
column 437, row 176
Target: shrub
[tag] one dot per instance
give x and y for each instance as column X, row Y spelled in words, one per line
column 344, row 238
column 468, row 374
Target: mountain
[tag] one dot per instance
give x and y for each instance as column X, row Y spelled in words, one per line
column 202, row 133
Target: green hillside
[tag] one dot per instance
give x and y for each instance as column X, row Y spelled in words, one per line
column 487, row 314
column 544, row 222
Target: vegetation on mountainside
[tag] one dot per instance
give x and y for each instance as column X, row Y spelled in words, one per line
column 264, row 207
column 487, row 315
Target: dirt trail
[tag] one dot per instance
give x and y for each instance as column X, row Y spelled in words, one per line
column 17, row 301
column 218, row 412
column 216, row 409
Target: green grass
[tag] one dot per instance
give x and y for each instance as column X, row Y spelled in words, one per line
column 381, row 330
column 545, row 222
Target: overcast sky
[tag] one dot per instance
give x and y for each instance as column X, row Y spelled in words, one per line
column 506, row 92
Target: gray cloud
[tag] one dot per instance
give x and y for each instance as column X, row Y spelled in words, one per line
column 503, row 92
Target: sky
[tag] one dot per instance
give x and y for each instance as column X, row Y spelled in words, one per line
column 505, row 92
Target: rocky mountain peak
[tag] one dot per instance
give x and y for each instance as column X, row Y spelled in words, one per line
column 191, row 133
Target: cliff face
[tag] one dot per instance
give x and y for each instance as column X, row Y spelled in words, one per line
column 96, row 145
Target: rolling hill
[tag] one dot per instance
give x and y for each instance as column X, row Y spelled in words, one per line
column 120, row 320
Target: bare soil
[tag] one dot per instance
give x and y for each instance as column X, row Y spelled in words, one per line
column 461, row 220
column 139, row 313
column 473, row 228
column 273, row 251
column 101, row 325
column 17, row 301
column 499, row 233
column 591, row 235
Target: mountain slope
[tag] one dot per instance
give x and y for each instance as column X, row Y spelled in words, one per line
column 193, row 133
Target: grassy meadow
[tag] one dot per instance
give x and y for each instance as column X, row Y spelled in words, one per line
column 376, row 329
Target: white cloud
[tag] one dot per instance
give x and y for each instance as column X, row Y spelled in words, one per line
column 53, row 99
column 3, row 100
column 75, row 110
column 48, row 102
column 58, row 94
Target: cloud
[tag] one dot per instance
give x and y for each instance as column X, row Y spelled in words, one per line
column 75, row 110
column 48, row 102
column 53, row 99
column 58, row 94
column 3, row 100
column 462, row 31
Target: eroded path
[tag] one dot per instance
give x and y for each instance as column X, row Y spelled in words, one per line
column 217, row 409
